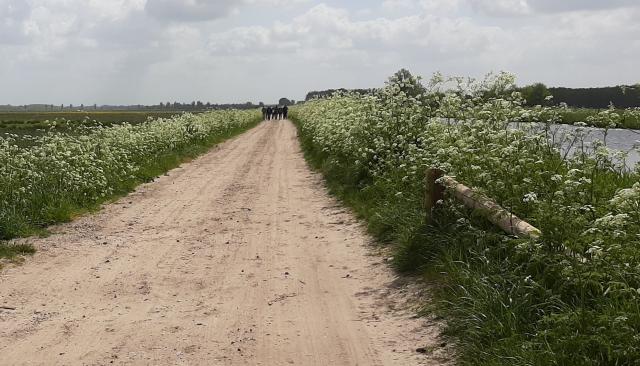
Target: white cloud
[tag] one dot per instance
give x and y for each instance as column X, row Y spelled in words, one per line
column 12, row 15
column 189, row 10
column 205, row 10
column 140, row 51
column 528, row 7
column 505, row 8
column 277, row 3
column 501, row 7
column 398, row 4
column 332, row 30
column 577, row 5
column 440, row 6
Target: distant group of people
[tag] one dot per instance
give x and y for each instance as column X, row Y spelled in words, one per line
column 275, row 112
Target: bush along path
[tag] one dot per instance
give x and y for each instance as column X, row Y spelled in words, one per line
column 60, row 175
column 570, row 297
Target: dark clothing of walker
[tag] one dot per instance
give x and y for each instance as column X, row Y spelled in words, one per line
column 275, row 113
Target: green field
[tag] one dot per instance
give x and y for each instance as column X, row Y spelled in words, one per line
column 16, row 121
column 54, row 176
column 602, row 118
column 26, row 127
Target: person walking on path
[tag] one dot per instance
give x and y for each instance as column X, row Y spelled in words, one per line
column 285, row 112
column 264, row 113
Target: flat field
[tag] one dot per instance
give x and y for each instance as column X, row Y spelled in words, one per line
column 624, row 119
column 35, row 122
column 113, row 117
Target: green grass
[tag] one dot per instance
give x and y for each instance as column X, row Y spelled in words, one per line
column 26, row 125
column 65, row 208
column 477, row 276
column 12, row 252
column 28, row 120
column 572, row 116
column 568, row 298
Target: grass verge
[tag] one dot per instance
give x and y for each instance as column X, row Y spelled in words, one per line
column 32, row 120
column 507, row 301
column 60, row 206
column 12, row 252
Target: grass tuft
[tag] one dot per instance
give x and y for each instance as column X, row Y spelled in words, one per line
column 12, row 252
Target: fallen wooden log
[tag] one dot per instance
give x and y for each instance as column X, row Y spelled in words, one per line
column 497, row 215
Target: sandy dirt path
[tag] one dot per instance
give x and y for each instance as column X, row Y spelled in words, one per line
column 237, row 258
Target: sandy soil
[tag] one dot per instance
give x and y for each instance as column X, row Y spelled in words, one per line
column 237, row 258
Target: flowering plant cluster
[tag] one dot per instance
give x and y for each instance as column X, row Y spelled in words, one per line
column 570, row 297
column 45, row 179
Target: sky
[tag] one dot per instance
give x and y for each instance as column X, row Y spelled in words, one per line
column 152, row 51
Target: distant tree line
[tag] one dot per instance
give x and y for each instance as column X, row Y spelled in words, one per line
column 168, row 106
column 534, row 94
column 538, row 93
column 286, row 102
column 329, row 92
column 199, row 106
column 620, row 96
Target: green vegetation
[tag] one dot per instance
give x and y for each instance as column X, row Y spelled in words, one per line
column 628, row 118
column 535, row 94
column 600, row 118
column 28, row 121
column 63, row 174
column 12, row 252
column 571, row 297
column 104, row 117
column 622, row 96
column 26, row 125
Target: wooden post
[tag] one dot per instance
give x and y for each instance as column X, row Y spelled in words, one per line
column 434, row 191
